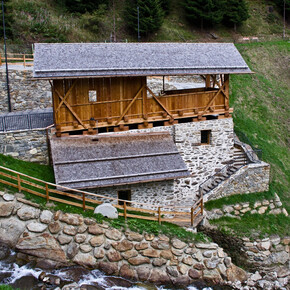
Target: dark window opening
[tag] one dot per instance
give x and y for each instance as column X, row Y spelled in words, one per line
column 205, row 136
column 212, row 117
column 125, row 195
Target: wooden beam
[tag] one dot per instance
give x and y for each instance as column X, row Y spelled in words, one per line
column 207, row 81
column 221, row 87
column 130, row 105
column 158, row 102
column 65, row 96
column 70, row 108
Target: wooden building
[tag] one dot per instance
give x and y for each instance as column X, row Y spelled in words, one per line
column 102, row 86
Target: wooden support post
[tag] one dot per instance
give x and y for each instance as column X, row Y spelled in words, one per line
column 84, row 202
column 125, row 210
column 191, row 216
column 159, row 215
column 24, row 60
column 207, row 81
column 201, row 205
column 19, row 183
column 46, row 192
column 0, row 59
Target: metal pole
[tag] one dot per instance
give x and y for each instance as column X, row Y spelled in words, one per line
column 138, row 23
column 284, row 18
column 5, row 52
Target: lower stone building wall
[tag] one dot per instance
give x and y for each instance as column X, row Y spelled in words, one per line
column 27, row 145
column 25, row 93
column 251, row 178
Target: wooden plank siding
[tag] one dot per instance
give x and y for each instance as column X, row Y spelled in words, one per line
column 127, row 100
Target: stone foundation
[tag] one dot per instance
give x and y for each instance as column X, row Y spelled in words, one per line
column 27, row 145
column 25, row 93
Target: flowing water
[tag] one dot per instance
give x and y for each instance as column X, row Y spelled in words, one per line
column 27, row 277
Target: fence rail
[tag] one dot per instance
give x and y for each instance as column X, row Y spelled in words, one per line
column 17, row 58
column 87, row 200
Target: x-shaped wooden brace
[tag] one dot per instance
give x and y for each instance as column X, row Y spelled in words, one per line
column 63, row 101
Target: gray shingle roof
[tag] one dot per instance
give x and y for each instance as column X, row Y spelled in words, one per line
column 81, row 162
column 61, row 60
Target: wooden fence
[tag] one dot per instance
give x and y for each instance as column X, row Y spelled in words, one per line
column 17, row 58
column 86, row 200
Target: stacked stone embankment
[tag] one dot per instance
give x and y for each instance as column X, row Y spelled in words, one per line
column 60, row 239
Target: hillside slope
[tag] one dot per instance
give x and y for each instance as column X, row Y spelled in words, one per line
column 262, row 107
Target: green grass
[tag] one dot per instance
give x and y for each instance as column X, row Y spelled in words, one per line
column 254, row 225
column 240, row 198
column 262, row 108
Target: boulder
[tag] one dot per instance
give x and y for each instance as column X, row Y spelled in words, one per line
column 46, row 216
column 150, row 253
column 85, row 248
column 129, row 254
column 99, row 253
column 70, row 230
column 11, row 230
column 80, row 238
column 107, row 210
column 132, row 236
column 171, row 271
column 158, row 262
column 127, row 273
column 177, row 244
column 85, row 259
column 6, row 208
column 36, row 227
column 8, row 197
column 194, row 274
column 141, row 246
column 28, row 212
column 114, row 256
column 72, row 250
column 63, row 239
column 108, row 268
column 42, row 246
column 143, row 273
column 159, row 277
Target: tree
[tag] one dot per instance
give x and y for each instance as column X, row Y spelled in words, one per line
column 204, row 12
column 150, row 15
column 81, row 6
column 235, row 12
column 280, row 5
column 165, row 5
column 8, row 20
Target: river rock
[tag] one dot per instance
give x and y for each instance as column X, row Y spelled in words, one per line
column 71, row 219
column 82, row 228
column 132, row 236
column 279, row 257
column 141, row 246
column 129, row 254
column 85, row 248
column 114, row 256
column 54, row 227
column 28, row 212
column 127, row 273
column 36, row 227
column 210, row 246
column 113, row 234
column 188, row 260
column 136, row 261
column 85, row 259
column 99, row 253
column 194, row 274
column 177, row 244
column 95, row 230
column 63, row 239
column 143, row 273
column 107, row 210
column 212, row 276
column 171, row 271
column 235, row 273
column 6, row 208
column 108, row 268
column 70, row 230
column 10, row 231
column 80, row 238
column 46, row 216
column 166, row 254
column 158, row 262
column 72, row 250
column 123, row 246
column 97, row 241
column 159, row 277
column 42, row 246
column 150, row 253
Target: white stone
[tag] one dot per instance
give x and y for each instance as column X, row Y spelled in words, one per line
column 107, row 210
column 8, row 197
column 36, row 227
column 46, row 216
column 33, row 151
column 256, row 276
column 284, row 211
column 262, row 209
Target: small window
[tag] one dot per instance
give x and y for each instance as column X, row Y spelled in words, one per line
column 92, row 96
column 125, row 195
column 205, row 136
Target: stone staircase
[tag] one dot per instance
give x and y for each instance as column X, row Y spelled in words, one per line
column 240, row 159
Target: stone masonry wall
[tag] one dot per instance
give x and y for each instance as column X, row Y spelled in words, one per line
column 26, row 93
column 251, row 178
column 62, row 239
column 27, row 145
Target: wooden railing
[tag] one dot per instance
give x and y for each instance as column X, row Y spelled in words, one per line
column 86, row 200
column 17, row 58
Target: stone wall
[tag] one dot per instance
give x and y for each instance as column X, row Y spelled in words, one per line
column 251, row 178
column 62, row 239
column 273, row 206
column 27, row 145
column 25, row 93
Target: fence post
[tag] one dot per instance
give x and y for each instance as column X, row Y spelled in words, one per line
column 24, row 60
column 125, row 210
column 191, row 216
column 159, row 215
column 201, row 205
column 19, row 183
column 0, row 59
column 47, row 193
column 84, row 202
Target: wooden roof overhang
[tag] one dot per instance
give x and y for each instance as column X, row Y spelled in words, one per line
column 111, row 160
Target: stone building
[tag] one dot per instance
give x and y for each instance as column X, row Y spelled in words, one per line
column 115, row 136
